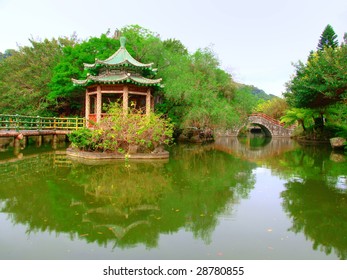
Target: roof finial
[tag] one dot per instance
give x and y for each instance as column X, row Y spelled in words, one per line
column 122, row 41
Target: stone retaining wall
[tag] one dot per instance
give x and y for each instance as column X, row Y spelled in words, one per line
column 101, row 156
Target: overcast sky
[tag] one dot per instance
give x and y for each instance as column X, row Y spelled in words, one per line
column 256, row 41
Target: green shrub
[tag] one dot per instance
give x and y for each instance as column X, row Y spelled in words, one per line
column 82, row 139
column 118, row 132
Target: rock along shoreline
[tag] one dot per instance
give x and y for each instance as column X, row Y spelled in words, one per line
column 116, row 156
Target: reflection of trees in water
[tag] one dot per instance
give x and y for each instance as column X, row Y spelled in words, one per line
column 254, row 149
column 206, row 184
column 307, row 162
column 39, row 201
column 255, row 142
column 124, row 185
column 126, row 204
column 313, row 199
column 188, row 192
column 320, row 212
column 120, row 199
column 129, row 204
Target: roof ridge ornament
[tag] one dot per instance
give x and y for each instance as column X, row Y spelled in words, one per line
column 120, row 67
column 123, row 41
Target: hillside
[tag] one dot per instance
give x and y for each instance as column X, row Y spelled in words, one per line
column 259, row 93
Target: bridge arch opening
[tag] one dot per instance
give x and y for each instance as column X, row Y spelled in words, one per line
column 255, row 129
column 263, row 129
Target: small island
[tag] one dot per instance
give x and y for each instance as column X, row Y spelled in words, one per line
column 119, row 111
column 121, row 135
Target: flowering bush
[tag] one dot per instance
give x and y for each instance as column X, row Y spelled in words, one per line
column 124, row 133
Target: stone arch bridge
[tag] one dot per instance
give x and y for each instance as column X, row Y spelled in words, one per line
column 271, row 127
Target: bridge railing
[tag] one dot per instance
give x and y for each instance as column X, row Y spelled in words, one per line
column 262, row 115
column 18, row 122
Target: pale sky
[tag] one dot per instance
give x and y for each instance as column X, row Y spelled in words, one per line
column 256, row 41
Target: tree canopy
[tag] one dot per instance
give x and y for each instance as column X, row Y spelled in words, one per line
column 327, row 39
column 6, row 54
column 321, row 82
column 274, row 108
column 25, row 76
column 37, row 79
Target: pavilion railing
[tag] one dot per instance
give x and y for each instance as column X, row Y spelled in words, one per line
column 18, row 122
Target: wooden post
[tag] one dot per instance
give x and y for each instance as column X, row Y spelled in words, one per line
column 76, row 126
column 17, row 123
column 148, row 102
column 39, row 141
column 152, row 103
column 25, row 141
column 87, row 113
column 54, row 123
column 16, row 146
column 95, row 104
column 54, row 141
column 98, row 104
column 39, row 123
column 125, row 99
column 16, row 143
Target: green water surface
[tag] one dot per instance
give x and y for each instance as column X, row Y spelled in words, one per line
column 232, row 199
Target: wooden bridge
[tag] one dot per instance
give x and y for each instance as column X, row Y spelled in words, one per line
column 20, row 127
column 13, row 125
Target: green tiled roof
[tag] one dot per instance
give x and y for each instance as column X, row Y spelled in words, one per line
column 119, row 78
column 119, row 58
column 121, row 67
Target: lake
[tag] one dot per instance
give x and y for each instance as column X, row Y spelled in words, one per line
column 252, row 198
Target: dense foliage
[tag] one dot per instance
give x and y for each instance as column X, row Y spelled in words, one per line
column 6, row 54
column 64, row 97
column 25, row 76
column 320, row 82
column 319, row 86
column 274, row 108
column 124, row 133
column 37, row 79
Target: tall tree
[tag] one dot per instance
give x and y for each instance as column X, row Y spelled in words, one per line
column 25, row 75
column 64, row 97
column 197, row 92
column 328, row 38
column 321, row 82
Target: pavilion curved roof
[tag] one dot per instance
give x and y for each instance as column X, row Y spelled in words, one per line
column 120, row 68
column 118, row 78
column 119, row 58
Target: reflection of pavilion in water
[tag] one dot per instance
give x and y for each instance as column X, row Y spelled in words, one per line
column 125, row 206
column 96, row 209
column 244, row 148
column 120, row 204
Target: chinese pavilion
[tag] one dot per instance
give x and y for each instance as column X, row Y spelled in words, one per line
column 119, row 78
